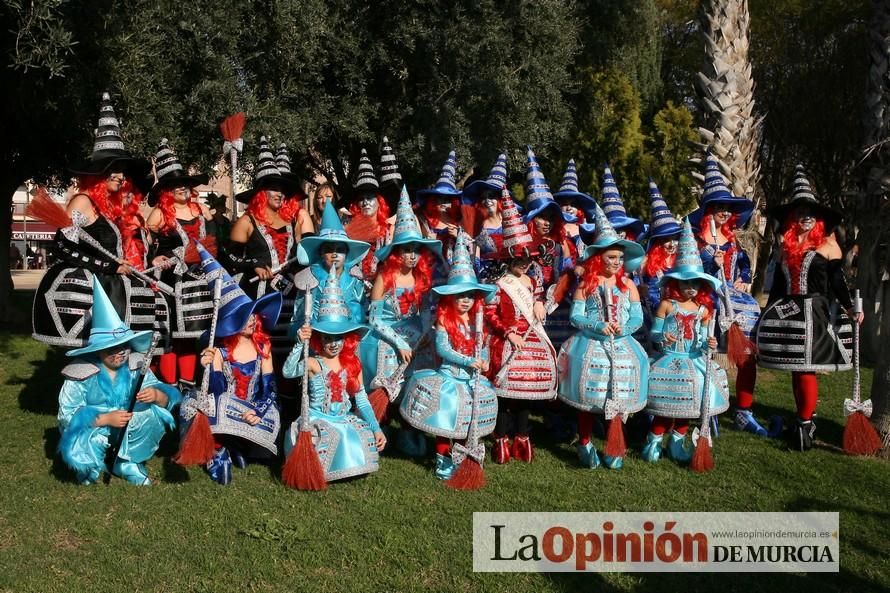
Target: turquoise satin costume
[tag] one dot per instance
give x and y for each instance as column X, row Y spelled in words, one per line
column 89, row 391
column 342, row 431
column 314, row 278
column 677, row 377
column 585, row 361
column 440, row 402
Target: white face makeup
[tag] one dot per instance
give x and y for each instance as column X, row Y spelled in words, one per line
column 489, row 201
column 670, row 246
column 613, row 259
column 333, row 254
column 722, row 214
column 181, row 195
column 464, row 302
column 115, row 357
column 368, row 204
column 114, row 181
column 543, row 223
column 331, row 345
column 408, row 254
column 688, row 288
column 274, row 198
column 249, row 327
column 806, row 219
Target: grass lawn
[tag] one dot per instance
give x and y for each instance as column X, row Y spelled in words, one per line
column 400, row 529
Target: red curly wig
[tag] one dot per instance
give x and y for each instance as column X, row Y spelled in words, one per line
column 448, row 317
column 167, row 203
column 594, row 268
column 794, row 251
column 262, row 343
column 703, row 298
column 257, row 207
column 658, row 259
column 382, row 217
column 422, row 272
column 348, row 360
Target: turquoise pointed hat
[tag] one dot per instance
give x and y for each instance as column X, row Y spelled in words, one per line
column 662, row 223
column 331, row 231
column 235, row 307
column 333, row 314
column 107, row 329
column 537, row 192
column 461, row 276
column 407, row 230
column 606, row 237
column 688, row 264
column 613, row 205
column 446, row 185
column 497, row 178
column 568, row 189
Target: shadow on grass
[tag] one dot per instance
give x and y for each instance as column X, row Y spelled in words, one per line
column 40, row 394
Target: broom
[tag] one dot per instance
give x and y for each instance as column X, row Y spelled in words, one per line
column 616, row 445
column 860, row 437
column 198, row 446
column 231, row 129
column 302, row 469
column 702, row 458
column 739, row 348
column 469, row 474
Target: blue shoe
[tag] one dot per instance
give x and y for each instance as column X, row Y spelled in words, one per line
column 776, row 427
column 134, row 473
column 587, row 456
column 613, row 462
column 653, row 448
column 745, row 421
column 445, row 466
column 220, row 467
column 677, row 449
column 238, row 460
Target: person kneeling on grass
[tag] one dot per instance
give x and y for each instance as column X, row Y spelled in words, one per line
column 97, row 394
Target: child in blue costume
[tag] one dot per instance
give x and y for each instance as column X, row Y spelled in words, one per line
column 718, row 218
column 400, row 314
column 97, row 393
column 440, row 402
column 345, row 432
column 677, row 376
column 603, row 354
column 329, row 248
column 241, row 403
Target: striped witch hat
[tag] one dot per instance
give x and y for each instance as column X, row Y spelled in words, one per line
column 613, row 206
column 802, row 194
column 717, row 192
column 497, row 178
column 390, row 177
column 170, row 173
column 445, row 186
column 537, row 193
column 605, row 237
column 568, row 189
column 365, row 178
column 109, row 150
column 333, row 315
column 662, row 223
column 517, row 241
column 267, row 175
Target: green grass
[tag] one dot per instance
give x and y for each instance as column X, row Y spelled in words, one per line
column 400, row 529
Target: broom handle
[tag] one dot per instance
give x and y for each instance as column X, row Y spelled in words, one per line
column 727, row 302
column 162, row 286
column 205, row 380
column 233, row 161
column 304, row 396
column 857, row 376
column 472, row 436
column 607, row 317
column 705, row 421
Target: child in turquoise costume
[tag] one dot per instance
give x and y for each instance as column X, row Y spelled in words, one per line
column 400, row 314
column 97, row 393
column 677, row 377
column 440, row 401
column 603, row 369
column 345, row 432
column 242, row 402
column 329, row 248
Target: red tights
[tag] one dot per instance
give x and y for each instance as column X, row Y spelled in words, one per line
column 806, row 394
column 744, row 384
column 180, row 363
column 661, row 425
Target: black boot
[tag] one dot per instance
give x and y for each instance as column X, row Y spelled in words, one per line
column 801, row 437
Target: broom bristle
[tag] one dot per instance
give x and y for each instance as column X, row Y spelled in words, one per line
column 198, row 446
column 469, row 476
column 562, row 287
column 43, row 208
column 362, row 228
column 303, row 470
column 702, row 459
column 860, row 437
column 379, row 403
column 232, row 126
column 615, row 443
column 739, row 348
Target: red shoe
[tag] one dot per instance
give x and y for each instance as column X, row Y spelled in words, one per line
column 522, row 449
column 500, row 453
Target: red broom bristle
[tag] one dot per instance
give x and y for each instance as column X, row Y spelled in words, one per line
column 198, row 446
column 362, row 228
column 562, row 287
column 303, row 470
column 469, row 476
column 739, row 349
column 702, row 459
column 232, row 126
column 43, row 208
column 615, row 444
column 860, row 437
column 379, row 403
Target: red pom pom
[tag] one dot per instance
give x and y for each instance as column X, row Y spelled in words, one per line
column 739, row 348
column 379, row 403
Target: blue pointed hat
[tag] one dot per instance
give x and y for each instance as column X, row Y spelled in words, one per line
column 497, row 178
column 107, row 329
column 537, row 193
column 613, row 206
column 407, row 230
column 333, row 314
column 235, row 307
column 445, row 186
column 568, row 189
column 331, row 231
column 717, row 192
column 687, row 265
column 662, row 222
column 606, row 237
column 461, row 276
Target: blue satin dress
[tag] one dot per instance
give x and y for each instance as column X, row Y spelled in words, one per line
column 342, row 432
column 745, row 309
column 585, row 361
column 677, row 377
column 440, row 402
column 89, row 391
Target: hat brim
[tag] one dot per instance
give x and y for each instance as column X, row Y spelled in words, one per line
column 452, row 289
column 474, row 190
column 268, row 307
column 633, row 252
column 668, row 230
column 169, row 181
column 741, row 206
column 579, row 200
column 830, row 216
column 338, row 328
column 133, row 167
column 688, row 275
column 621, row 222
column 288, row 187
column 433, row 245
column 528, row 216
column 139, row 342
column 308, row 250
